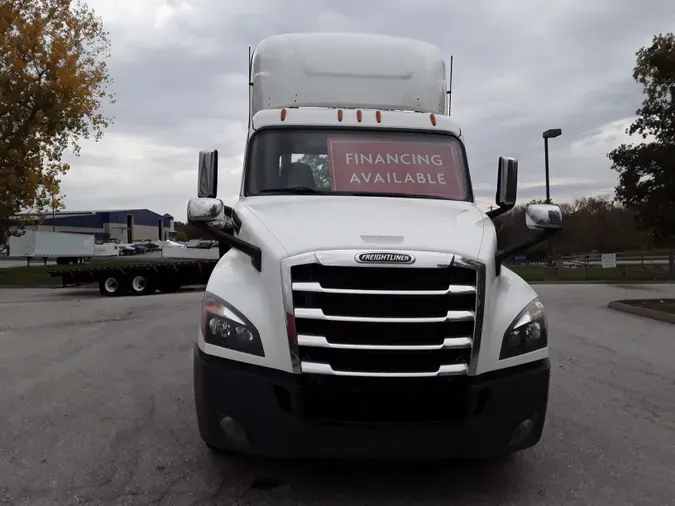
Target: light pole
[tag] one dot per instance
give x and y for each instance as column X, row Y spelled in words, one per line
column 551, row 133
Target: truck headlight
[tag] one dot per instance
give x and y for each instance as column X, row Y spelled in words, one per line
column 224, row 326
column 528, row 332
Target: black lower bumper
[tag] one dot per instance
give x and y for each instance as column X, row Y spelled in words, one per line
column 274, row 414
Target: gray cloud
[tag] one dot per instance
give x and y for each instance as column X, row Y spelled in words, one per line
column 521, row 67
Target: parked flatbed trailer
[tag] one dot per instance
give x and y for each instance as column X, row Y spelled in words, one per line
column 139, row 278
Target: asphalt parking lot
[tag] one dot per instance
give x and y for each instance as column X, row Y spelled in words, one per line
column 96, row 407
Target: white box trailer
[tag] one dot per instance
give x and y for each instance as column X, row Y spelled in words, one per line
column 44, row 245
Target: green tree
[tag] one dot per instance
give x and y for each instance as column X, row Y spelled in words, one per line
column 590, row 224
column 53, row 82
column 647, row 169
column 319, row 165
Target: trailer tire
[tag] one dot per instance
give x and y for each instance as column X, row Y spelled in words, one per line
column 113, row 285
column 141, row 284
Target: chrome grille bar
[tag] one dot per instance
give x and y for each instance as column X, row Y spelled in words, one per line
column 318, row 314
column 444, row 370
column 317, row 288
column 449, row 343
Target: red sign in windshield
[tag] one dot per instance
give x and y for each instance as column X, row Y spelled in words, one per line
column 416, row 168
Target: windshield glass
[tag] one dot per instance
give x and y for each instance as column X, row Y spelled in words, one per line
column 357, row 162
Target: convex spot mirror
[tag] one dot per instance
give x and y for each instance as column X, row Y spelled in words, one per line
column 207, row 179
column 543, row 217
column 507, row 182
column 201, row 209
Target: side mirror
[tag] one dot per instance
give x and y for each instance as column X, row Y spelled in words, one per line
column 507, row 182
column 546, row 218
column 543, row 217
column 205, row 209
column 207, row 181
column 202, row 212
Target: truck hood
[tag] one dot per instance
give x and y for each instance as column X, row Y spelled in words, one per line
column 308, row 223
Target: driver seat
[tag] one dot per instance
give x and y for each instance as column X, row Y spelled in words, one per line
column 297, row 174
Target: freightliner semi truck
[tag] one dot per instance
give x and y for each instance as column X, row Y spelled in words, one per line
column 361, row 308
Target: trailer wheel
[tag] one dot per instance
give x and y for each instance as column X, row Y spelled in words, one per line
column 141, row 285
column 112, row 285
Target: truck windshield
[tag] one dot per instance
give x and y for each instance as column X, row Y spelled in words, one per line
column 357, row 162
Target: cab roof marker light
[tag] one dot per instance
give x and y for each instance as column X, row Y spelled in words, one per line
column 339, row 114
column 433, row 119
column 378, row 116
column 359, row 115
column 283, row 114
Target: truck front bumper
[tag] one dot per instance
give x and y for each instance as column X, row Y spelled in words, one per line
column 265, row 412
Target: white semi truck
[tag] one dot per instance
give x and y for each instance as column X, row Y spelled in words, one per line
column 361, row 307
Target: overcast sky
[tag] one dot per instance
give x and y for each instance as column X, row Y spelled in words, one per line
column 521, row 67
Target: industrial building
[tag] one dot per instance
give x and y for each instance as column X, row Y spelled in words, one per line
column 129, row 225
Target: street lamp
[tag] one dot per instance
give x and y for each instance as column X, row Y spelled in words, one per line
column 551, row 133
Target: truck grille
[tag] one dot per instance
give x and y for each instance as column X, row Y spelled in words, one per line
column 410, row 321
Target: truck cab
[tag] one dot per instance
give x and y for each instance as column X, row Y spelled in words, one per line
column 361, row 307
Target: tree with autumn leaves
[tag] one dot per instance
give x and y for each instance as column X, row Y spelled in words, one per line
column 647, row 169
column 53, row 84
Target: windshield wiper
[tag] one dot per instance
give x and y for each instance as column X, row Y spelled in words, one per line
column 299, row 190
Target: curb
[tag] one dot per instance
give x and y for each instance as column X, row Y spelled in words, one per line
column 641, row 311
